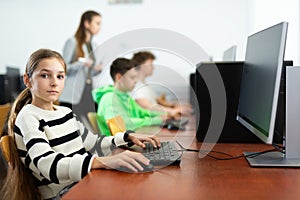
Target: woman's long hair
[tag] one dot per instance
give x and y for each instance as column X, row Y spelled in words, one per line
column 80, row 34
column 19, row 183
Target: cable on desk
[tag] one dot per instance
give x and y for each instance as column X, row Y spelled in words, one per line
column 202, row 151
column 252, row 155
column 230, row 157
column 276, row 132
column 279, row 147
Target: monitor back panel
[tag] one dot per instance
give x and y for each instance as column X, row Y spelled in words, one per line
column 233, row 131
column 192, row 96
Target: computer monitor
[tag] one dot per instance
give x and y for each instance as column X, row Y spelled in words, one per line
column 230, row 54
column 259, row 91
column 12, row 71
column 13, row 76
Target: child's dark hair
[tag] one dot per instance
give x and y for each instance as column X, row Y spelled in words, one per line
column 121, row 66
column 19, row 182
column 142, row 56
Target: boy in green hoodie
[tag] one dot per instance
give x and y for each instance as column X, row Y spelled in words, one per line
column 115, row 100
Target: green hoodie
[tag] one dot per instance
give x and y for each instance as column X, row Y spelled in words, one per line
column 112, row 102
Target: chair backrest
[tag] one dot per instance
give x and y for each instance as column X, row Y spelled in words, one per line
column 4, row 110
column 4, row 146
column 116, row 124
column 92, row 117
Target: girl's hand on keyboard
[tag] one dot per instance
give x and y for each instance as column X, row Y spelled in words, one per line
column 133, row 161
column 139, row 139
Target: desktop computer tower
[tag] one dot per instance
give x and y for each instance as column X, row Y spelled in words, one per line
column 292, row 137
column 233, row 131
column 10, row 87
column 4, row 89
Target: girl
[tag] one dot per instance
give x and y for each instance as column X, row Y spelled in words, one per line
column 50, row 149
column 82, row 65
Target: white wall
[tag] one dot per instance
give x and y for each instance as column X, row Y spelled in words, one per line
column 265, row 13
column 213, row 24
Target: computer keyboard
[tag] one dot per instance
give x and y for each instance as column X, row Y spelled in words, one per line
column 167, row 154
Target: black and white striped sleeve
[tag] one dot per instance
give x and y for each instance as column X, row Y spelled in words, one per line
column 58, row 158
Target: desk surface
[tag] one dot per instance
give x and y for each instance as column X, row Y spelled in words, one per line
column 194, row 178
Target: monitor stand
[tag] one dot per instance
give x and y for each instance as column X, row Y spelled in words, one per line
column 291, row 157
column 272, row 159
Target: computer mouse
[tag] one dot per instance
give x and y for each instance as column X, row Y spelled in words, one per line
column 146, row 168
column 172, row 126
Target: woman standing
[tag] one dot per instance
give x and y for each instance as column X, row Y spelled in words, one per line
column 81, row 65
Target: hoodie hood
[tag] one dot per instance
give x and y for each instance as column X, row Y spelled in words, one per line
column 98, row 93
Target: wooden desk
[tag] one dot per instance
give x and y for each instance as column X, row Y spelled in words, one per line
column 194, row 178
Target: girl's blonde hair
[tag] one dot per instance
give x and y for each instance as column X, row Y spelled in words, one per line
column 19, row 182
